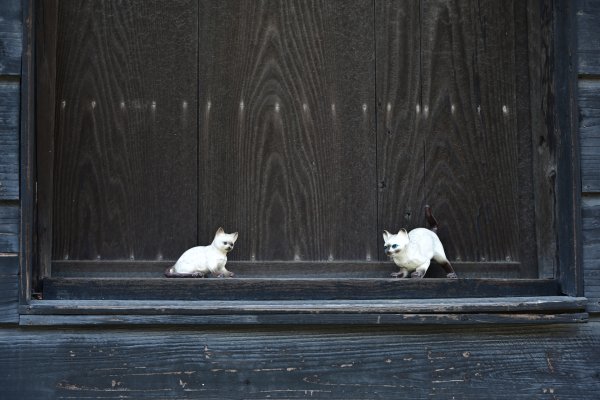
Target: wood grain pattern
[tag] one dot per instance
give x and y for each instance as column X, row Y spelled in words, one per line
column 9, row 140
column 46, row 30
column 9, row 227
column 400, row 145
column 543, row 136
column 591, row 249
column 359, row 363
column 125, row 144
column 589, row 134
column 287, row 151
column 455, row 131
column 11, row 37
column 470, row 106
column 568, row 183
column 588, row 42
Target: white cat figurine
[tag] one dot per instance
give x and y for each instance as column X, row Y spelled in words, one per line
column 200, row 261
column 412, row 251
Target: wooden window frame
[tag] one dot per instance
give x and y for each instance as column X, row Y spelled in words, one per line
column 430, row 301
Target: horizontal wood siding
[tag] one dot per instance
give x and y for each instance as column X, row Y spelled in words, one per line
column 9, row 227
column 588, row 46
column 588, row 40
column 591, row 250
column 10, row 37
column 9, row 266
column 550, row 362
column 9, row 139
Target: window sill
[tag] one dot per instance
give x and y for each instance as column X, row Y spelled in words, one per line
column 457, row 311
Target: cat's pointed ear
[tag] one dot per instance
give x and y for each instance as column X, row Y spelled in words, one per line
column 220, row 231
column 403, row 232
column 235, row 236
column 386, row 235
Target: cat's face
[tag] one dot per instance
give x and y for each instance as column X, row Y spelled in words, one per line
column 224, row 241
column 395, row 243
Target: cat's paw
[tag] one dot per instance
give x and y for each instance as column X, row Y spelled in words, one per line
column 197, row 275
column 417, row 275
column 452, row 275
column 226, row 275
column 401, row 274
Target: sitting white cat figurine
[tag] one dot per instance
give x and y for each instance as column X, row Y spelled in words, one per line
column 413, row 251
column 200, row 261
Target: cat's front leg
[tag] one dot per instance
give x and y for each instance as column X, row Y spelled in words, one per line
column 403, row 273
column 226, row 274
column 218, row 269
column 421, row 270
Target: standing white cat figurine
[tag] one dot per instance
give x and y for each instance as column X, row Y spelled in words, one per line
column 413, row 251
column 200, row 261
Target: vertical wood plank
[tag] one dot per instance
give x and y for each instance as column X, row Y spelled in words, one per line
column 125, row 145
column 540, row 15
column 27, row 156
column 287, row 139
column 46, row 25
column 473, row 174
column 568, row 182
column 400, row 145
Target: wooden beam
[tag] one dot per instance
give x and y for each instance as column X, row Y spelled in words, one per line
column 289, row 288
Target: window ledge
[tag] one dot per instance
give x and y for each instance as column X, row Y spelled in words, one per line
column 459, row 311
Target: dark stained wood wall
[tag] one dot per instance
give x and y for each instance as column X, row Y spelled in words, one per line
column 453, row 90
column 504, row 362
column 319, row 125
column 287, row 141
column 126, row 142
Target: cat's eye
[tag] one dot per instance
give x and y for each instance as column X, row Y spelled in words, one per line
column 394, row 246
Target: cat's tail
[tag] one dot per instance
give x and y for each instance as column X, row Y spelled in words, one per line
column 431, row 221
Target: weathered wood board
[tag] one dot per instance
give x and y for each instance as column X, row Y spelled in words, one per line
column 9, row 227
column 589, row 134
column 9, row 280
column 10, row 37
column 591, row 250
column 549, row 362
column 9, row 139
column 588, row 40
